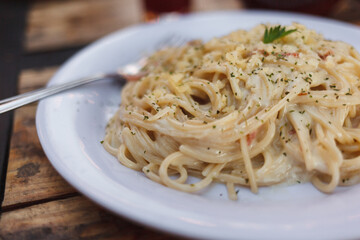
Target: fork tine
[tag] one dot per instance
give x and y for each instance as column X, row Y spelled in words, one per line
column 179, row 42
column 171, row 41
column 133, row 68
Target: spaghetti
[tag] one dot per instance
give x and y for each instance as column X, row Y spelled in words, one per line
column 238, row 111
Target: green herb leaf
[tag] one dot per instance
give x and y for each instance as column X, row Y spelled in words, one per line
column 274, row 33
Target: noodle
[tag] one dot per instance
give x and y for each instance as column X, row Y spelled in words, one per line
column 238, row 111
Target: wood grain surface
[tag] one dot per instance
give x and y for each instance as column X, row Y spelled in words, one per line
column 69, row 23
column 71, row 218
column 58, row 24
column 12, row 23
column 30, row 176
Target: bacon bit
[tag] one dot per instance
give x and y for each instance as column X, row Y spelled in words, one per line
column 263, row 52
column 279, row 55
column 302, row 93
column 295, row 54
column 292, row 132
column 324, row 56
column 250, row 137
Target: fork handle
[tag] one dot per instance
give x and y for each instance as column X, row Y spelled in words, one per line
column 29, row 97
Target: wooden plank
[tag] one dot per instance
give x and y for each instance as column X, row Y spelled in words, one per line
column 12, row 25
column 69, row 23
column 31, row 79
column 72, row 218
column 215, row 5
column 58, row 24
column 30, row 176
column 47, row 59
column 347, row 10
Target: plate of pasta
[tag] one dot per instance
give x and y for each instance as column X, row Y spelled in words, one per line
column 248, row 130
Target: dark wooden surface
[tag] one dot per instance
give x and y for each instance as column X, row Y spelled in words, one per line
column 36, row 37
column 10, row 50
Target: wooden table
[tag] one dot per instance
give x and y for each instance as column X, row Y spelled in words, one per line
column 38, row 202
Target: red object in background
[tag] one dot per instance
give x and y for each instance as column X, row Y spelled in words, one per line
column 155, row 8
column 317, row 7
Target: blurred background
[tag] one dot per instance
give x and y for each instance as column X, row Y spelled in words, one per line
column 36, row 37
column 48, row 25
column 59, row 24
column 55, row 24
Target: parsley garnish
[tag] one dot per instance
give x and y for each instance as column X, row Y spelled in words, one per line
column 274, row 33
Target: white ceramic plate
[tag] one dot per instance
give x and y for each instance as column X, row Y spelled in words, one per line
column 71, row 125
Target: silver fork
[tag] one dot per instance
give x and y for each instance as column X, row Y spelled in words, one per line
column 128, row 72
